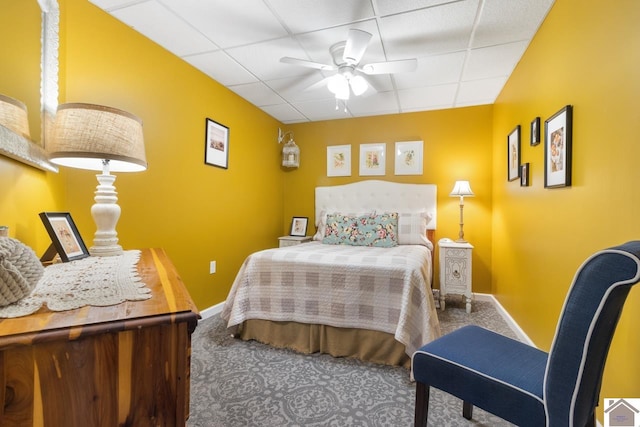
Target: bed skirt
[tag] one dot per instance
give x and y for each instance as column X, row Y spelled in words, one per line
column 371, row 346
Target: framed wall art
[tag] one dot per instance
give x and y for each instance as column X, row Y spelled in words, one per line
column 535, row 132
column 216, row 144
column 513, row 154
column 299, row 226
column 557, row 148
column 65, row 238
column 408, row 158
column 372, row 159
column 524, row 175
column 339, row 160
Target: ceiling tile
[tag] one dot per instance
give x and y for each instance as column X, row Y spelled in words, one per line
column 230, row 23
column 376, row 104
column 263, row 59
column 322, row 110
column 258, row 94
column 426, row 97
column 479, row 92
column 440, row 29
column 152, row 19
column 285, row 113
column 433, row 70
column 219, row 66
column 389, row 7
column 495, row 61
column 309, row 15
column 504, row 21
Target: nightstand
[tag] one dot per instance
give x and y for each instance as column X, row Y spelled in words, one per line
column 293, row 240
column 455, row 270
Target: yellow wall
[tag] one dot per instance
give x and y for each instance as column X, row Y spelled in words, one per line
column 457, row 145
column 24, row 190
column 586, row 54
column 198, row 213
column 20, row 56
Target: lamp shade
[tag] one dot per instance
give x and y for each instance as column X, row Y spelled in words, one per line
column 13, row 116
column 461, row 188
column 85, row 134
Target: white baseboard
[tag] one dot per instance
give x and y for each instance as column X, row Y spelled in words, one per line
column 211, row 311
column 506, row 316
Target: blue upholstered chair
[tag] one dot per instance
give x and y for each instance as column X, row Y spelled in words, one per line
column 522, row 384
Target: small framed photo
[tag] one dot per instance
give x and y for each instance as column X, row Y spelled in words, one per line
column 557, row 148
column 216, row 144
column 513, row 154
column 408, row 157
column 524, row 175
column 535, row 132
column 339, row 160
column 64, row 235
column 299, row 226
column 372, row 159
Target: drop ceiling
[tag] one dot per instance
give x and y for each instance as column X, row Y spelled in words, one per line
column 465, row 49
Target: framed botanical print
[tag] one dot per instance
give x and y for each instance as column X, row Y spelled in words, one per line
column 339, row 160
column 372, row 159
column 408, row 158
column 513, row 154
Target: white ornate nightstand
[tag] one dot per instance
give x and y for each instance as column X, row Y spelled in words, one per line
column 293, row 240
column 455, row 270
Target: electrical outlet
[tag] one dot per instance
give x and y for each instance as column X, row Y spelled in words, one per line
column 212, row 267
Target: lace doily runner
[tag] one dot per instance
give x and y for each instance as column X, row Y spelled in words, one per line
column 97, row 281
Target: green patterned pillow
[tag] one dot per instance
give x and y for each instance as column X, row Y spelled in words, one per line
column 363, row 230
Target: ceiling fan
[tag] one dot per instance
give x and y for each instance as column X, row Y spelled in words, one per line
column 346, row 57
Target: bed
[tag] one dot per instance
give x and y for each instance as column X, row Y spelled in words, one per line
column 372, row 302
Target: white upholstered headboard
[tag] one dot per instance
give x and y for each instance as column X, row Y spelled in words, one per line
column 379, row 196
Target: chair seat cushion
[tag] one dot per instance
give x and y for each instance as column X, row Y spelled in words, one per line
column 496, row 373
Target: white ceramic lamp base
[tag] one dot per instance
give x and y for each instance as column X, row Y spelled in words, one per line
column 106, row 213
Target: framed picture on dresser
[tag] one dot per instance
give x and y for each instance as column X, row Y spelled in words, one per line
column 299, row 226
column 65, row 237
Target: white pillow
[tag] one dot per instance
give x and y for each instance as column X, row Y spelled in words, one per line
column 412, row 229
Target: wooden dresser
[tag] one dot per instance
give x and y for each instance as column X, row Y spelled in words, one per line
column 121, row 365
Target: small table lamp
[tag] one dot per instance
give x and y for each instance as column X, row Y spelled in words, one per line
column 105, row 139
column 461, row 189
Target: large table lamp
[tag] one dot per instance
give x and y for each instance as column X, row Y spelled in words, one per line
column 461, row 189
column 105, row 139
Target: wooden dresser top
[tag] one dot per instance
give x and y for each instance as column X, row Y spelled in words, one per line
column 170, row 303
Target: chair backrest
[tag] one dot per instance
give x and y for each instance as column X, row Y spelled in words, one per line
column 584, row 333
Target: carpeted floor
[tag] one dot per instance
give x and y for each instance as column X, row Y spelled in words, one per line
column 237, row 383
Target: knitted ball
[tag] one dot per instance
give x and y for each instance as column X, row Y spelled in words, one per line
column 20, row 270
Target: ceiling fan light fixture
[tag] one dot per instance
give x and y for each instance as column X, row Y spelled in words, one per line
column 358, row 85
column 339, row 86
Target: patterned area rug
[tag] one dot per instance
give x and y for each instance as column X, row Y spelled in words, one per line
column 238, row 383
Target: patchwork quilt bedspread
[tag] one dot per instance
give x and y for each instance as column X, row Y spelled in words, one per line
column 383, row 289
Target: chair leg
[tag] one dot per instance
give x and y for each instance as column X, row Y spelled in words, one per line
column 467, row 410
column 591, row 422
column 422, row 405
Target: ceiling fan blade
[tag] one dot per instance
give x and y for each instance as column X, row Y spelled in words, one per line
column 318, row 84
column 390, row 67
column 308, row 64
column 357, row 42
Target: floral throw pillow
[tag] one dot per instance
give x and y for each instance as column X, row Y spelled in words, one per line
column 365, row 230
